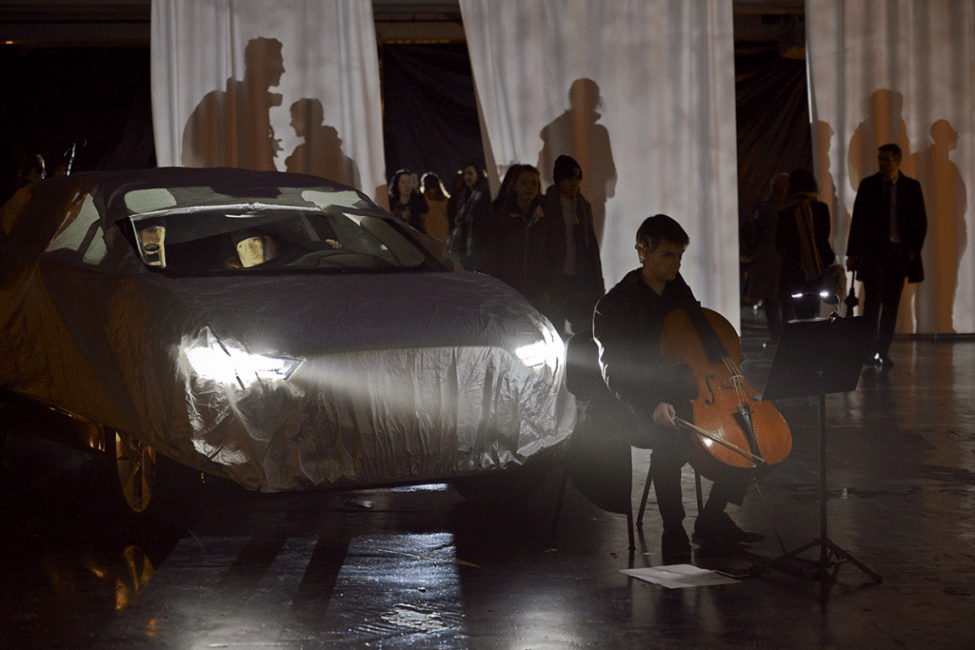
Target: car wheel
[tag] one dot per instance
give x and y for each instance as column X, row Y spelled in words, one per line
column 151, row 486
column 136, row 464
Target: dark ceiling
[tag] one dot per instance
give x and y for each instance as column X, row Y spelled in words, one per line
column 72, row 23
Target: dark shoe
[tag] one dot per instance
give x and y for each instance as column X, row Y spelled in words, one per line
column 881, row 362
column 674, row 545
column 720, row 529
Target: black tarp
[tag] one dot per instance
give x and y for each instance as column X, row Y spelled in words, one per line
column 96, row 99
column 429, row 109
column 773, row 122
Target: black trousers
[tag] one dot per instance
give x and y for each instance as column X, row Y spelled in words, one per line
column 883, row 282
column 671, row 451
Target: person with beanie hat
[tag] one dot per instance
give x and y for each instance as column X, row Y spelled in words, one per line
column 576, row 254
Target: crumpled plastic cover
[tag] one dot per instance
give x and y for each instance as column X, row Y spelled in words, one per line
column 401, row 377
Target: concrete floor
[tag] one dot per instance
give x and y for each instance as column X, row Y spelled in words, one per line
column 423, row 568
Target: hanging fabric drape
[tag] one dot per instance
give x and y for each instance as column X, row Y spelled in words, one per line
column 641, row 93
column 291, row 85
column 902, row 72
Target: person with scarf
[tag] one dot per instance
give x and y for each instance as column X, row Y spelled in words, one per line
column 802, row 241
column 468, row 212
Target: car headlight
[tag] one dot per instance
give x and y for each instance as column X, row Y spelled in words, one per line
column 548, row 351
column 230, row 363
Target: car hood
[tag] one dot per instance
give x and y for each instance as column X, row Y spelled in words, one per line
column 313, row 314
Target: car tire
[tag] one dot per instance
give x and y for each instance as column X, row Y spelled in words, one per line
column 137, row 469
column 148, row 483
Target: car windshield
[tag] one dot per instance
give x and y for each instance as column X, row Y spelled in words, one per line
column 273, row 238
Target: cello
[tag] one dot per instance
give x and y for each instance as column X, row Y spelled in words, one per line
column 735, row 433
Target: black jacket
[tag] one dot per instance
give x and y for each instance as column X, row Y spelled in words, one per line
column 627, row 325
column 870, row 228
column 589, row 268
column 518, row 249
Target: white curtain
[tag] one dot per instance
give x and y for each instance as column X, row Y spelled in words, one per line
column 269, row 84
column 641, row 93
column 901, row 71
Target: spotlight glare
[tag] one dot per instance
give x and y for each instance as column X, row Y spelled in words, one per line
column 232, row 364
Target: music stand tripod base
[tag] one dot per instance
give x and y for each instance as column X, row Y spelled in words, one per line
column 816, row 357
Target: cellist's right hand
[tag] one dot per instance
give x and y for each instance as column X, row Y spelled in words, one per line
column 664, row 415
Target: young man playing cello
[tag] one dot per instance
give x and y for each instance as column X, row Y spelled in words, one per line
column 627, row 326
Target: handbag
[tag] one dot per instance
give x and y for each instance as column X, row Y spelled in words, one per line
column 833, row 281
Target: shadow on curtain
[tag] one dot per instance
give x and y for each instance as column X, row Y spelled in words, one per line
column 577, row 133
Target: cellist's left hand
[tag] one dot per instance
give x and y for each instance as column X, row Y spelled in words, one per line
column 664, row 415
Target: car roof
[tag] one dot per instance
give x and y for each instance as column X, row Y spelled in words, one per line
column 122, row 194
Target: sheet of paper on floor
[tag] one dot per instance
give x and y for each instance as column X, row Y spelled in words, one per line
column 675, row 576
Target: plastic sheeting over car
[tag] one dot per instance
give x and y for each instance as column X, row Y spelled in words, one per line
column 282, row 379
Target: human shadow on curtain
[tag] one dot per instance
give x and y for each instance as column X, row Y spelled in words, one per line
column 577, row 133
column 232, row 127
column 946, row 202
column 883, row 124
column 321, row 152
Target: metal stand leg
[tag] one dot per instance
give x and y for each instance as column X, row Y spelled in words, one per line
column 646, row 494
column 830, row 555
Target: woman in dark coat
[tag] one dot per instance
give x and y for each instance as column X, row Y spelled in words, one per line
column 518, row 242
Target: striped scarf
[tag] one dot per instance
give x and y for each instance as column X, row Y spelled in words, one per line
column 809, row 256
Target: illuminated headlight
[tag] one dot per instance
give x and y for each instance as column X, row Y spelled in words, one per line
column 545, row 352
column 230, row 363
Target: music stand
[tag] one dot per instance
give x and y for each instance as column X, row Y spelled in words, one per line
column 816, row 357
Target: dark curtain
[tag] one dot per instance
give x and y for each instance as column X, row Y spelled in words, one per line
column 773, row 123
column 94, row 99
column 429, row 109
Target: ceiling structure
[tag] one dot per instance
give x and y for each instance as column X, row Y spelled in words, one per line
column 759, row 24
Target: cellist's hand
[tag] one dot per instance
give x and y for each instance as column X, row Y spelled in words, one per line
column 664, row 415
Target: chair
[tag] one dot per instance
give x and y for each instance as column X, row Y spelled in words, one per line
column 583, row 378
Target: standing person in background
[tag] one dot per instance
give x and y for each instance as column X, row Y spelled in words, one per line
column 435, row 220
column 763, row 276
column 405, row 200
column 886, row 236
column 576, row 253
column 518, row 242
column 469, row 214
column 802, row 242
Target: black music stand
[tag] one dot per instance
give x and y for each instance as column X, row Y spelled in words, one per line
column 816, row 357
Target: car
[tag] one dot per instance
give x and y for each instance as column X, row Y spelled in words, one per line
column 278, row 330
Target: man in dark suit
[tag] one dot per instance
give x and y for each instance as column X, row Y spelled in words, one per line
column 886, row 235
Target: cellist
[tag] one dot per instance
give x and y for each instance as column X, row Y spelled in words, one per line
column 627, row 326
